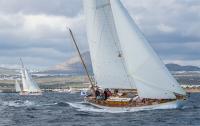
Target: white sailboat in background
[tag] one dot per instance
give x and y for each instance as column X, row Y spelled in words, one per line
column 29, row 86
column 17, row 87
column 123, row 59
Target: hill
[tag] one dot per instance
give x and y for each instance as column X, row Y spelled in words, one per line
column 4, row 71
column 73, row 66
column 176, row 67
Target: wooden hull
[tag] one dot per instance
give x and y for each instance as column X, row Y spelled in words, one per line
column 173, row 104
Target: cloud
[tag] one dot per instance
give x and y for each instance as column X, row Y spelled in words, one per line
column 179, row 15
column 39, row 36
column 37, row 26
column 166, row 29
column 36, row 30
column 172, row 27
column 49, row 7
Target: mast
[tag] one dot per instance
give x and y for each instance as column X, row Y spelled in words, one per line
column 81, row 58
column 21, row 62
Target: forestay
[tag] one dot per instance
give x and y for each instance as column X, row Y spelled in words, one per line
column 108, row 65
column 151, row 77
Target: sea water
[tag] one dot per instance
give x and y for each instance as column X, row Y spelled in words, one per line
column 62, row 109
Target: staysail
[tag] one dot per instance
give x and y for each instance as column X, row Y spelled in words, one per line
column 17, row 86
column 151, row 77
column 108, row 65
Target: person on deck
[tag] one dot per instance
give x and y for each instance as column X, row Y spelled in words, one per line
column 97, row 94
column 105, row 95
column 109, row 93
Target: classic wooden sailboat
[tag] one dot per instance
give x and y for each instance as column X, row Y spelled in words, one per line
column 29, row 86
column 124, row 63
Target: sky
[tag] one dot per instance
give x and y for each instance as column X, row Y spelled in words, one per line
column 36, row 30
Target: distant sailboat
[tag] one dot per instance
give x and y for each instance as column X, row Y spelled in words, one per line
column 17, row 87
column 123, row 60
column 29, row 86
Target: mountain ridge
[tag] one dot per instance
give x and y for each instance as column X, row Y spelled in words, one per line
column 73, row 66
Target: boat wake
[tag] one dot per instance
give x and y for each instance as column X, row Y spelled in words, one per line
column 86, row 107
column 61, row 104
column 82, row 106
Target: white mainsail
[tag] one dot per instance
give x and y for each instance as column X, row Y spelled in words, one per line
column 109, row 67
column 17, row 86
column 28, row 84
column 149, row 73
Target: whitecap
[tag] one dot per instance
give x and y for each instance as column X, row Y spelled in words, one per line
column 18, row 103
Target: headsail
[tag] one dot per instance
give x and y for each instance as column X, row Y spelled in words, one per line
column 151, row 77
column 17, row 86
column 32, row 86
column 108, row 65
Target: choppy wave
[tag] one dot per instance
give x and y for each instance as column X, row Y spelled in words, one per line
column 18, row 103
column 82, row 106
column 27, row 103
column 61, row 104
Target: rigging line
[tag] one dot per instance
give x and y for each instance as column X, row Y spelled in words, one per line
column 118, row 49
column 82, row 61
